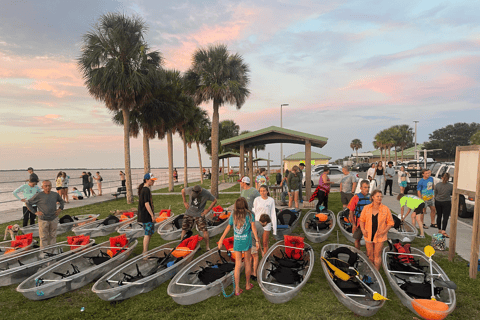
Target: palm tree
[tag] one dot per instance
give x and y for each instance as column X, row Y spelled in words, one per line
column 118, row 69
column 405, row 134
column 201, row 136
column 152, row 118
column 194, row 117
column 172, row 92
column 355, row 145
column 389, row 140
column 222, row 77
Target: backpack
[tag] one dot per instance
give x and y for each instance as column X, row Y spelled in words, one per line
column 214, row 271
column 345, row 221
column 397, row 222
column 319, row 224
column 66, row 219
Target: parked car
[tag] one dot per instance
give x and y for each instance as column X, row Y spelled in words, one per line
column 466, row 203
column 361, row 167
column 335, row 176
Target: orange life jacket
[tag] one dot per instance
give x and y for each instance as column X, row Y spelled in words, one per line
column 322, row 217
column 228, row 243
column 186, row 246
column 224, row 216
column 405, row 258
column 76, row 241
column 118, row 241
column 294, row 241
column 28, row 236
column 163, row 215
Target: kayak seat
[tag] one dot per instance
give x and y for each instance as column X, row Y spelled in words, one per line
column 177, row 222
column 101, row 258
column 129, row 278
column 111, row 219
column 286, row 217
column 68, row 273
column 214, row 271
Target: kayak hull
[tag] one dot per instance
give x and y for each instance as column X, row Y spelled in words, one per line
column 274, row 291
column 96, row 229
column 347, row 234
column 54, row 285
column 187, row 289
column 20, row 267
column 168, row 231
column 320, row 235
column 114, row 292
column 447, row 296
column 408, row 232
column 362, row 306
column 289, row 230
column 63, row 227
column 4, row 245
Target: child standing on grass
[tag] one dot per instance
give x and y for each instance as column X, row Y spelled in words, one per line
column 243, row 223
column 264, row 220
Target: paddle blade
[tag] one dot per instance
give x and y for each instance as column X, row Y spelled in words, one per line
column 337, row 272
column 445, row 284
column 377, row 296
column 430, row 309
column 429, row 251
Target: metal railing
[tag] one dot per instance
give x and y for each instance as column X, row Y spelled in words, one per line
column 111, row 186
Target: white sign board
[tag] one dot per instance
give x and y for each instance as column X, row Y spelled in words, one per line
column 467, row 170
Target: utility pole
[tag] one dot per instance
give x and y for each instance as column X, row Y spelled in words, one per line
column 281, row 144
column 425, row 151
column 416, row 155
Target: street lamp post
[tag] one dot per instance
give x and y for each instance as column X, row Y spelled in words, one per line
column 416, row 155
column 281, row 144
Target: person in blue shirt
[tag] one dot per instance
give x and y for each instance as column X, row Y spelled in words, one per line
column 425, row 190
column 27, row 190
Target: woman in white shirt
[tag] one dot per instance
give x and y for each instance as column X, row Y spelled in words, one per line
column 371, row 171
column 265, row 205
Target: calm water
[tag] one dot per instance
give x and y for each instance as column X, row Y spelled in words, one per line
column 10, row 180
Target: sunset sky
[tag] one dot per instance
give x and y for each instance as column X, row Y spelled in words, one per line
column 347, row 69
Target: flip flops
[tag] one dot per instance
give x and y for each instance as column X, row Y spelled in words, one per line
column 434, row 226
column 239, row 292
column 250, row 287
column 425, row 226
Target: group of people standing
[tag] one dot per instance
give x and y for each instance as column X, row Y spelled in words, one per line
column 88, row 180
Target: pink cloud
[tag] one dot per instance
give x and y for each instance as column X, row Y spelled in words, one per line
column 52, row 121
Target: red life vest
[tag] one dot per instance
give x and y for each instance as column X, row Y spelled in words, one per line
column 19, row 243
column 28, row 236
column 76, row 241
column 403, row 249
column 218, row 209
column 118, row 241
column 294, row 241
column 128, row 214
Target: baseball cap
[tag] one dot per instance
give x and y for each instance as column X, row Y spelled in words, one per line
column 244, row 180
column 149, row 176
column 30, row 168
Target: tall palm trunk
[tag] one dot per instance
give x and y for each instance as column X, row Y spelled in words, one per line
column 185, row 164
column 126, row 147
column 200, row 162
column 396, row 157
column 215, row 123
column 170, row 160
column 357, row 155
column 402, row 153
column 146, row 153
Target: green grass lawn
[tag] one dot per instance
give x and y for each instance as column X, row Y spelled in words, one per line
column 315, row 301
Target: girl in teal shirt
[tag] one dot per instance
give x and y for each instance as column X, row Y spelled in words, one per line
column 243, row 223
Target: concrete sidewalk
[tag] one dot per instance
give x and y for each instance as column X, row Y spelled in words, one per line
column 464, row 230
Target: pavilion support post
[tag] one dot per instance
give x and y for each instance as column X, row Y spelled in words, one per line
column 308, row 169
column 250, row 166
column 223, row 169
column 452, row 244
column 228, row 166
column 241, row 166
column 268, row 165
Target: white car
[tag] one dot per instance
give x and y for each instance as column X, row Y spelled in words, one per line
column 335, row 176
column 438, row 170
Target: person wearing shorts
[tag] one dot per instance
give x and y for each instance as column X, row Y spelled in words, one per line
column 347, row 187
column 145, row 208
column 196, row 212
column 425, row 191
column 355, row 206
column 293, row 181
column 259, row 225
column 417, row 205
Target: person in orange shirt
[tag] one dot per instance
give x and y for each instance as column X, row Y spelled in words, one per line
column 375, row 221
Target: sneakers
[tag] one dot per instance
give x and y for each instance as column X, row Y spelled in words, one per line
column 421, row 237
